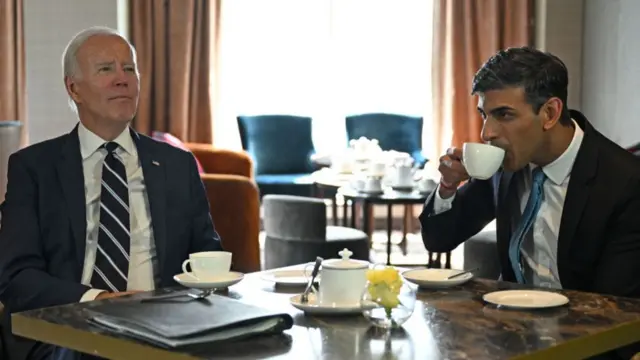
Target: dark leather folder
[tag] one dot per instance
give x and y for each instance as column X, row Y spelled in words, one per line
column 178, row 324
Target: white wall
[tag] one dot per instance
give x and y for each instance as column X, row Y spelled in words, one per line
column 49, row 25
column 611, row 72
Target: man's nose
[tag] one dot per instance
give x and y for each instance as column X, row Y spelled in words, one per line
column 121, row 78
column 488, row 131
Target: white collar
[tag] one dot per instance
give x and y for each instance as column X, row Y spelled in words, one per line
column 90, row 142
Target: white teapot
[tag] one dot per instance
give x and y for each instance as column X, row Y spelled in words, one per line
column 403, row 172
column 342, row 280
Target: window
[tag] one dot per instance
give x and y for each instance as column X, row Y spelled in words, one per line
column 322, row 58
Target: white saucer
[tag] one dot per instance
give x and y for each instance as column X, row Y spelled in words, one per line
column 288, row 277
column 402, row 188
column 371, row 192
column 526, row 299
column 313, row 307
column 215, row 282
column 436, row 278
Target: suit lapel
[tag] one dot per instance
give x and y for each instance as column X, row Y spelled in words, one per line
column 583, row 171
column 154, row 179
column 69, row 169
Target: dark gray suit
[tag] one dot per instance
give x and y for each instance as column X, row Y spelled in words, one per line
column 42, row 237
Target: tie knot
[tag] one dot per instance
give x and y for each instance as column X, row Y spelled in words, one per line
column 538, row 176
column 111, row 146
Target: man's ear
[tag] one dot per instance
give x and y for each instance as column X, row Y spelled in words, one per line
column 551, row 112
column 71, row 86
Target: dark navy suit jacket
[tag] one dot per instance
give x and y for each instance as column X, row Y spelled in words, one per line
column 42, row 236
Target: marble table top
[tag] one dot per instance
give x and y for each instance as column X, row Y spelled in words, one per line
column 446, row 324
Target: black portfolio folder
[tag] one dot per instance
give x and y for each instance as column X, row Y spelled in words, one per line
column 178, row 324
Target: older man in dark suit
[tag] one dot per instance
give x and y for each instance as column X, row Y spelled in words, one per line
column 102, row 211
column 567, row 199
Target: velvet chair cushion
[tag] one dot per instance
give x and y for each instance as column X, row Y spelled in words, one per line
column 278, row 144
column 393, row 132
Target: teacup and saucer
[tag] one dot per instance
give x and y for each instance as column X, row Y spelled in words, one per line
column 209, row 270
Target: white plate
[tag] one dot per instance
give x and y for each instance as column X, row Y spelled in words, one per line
column 216, row 282
column 313, row 307
column 288, row 277
column 526, row 299
column 436, row 278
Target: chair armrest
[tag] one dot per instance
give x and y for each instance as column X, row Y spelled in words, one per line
column 235, row 208
column 221, row 161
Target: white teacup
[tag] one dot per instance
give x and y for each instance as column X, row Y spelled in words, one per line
column 403, row 176
column 377, row 168
column 481, row 160
column 207, row 264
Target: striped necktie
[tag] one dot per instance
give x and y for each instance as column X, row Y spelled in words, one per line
column 526, row 222
column 111, row 267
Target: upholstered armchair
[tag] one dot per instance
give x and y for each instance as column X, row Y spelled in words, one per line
column 234, row 200
column 280, row 147
column 394, row 132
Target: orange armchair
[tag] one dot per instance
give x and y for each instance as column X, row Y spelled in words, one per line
column 234, row 200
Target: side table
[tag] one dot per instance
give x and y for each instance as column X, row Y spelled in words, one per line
column 389, row 197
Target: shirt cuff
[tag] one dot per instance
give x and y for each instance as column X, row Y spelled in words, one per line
column 441, row 205
column 91, row 295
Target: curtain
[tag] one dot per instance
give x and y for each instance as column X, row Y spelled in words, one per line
column 12, row 64
column 466, row 34
column 173, row 39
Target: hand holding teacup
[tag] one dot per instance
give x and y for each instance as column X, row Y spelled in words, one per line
column 452, row 172
column 474, row 160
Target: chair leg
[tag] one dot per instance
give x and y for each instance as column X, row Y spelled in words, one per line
column 372, row 225
column 407, row 224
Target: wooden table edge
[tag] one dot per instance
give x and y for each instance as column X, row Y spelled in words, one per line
column 61, row 335
column 589, row 345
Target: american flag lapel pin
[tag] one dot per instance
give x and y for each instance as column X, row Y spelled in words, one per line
column 155, row 163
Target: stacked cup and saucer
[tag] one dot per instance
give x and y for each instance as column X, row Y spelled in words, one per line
column 340, row 287
column 210, row 270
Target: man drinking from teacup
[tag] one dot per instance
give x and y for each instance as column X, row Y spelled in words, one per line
column 101, row 211
column 566, row 199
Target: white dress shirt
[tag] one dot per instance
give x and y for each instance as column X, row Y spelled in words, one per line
column 541, row 257
column 143, row 257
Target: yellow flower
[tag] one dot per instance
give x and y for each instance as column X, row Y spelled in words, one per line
column 383, row 295
column 388, row 275
column 384, row 286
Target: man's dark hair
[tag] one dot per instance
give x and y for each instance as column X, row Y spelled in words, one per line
column 542, row 75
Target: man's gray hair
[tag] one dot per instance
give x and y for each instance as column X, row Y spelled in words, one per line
column 70, row 67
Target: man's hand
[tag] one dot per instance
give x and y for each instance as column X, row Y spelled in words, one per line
column 109, row 295
column 453, row 172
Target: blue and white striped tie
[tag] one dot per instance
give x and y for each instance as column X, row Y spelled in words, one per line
column 111, row 267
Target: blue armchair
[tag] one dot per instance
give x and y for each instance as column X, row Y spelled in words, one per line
column 280, row 147
column 394, row 132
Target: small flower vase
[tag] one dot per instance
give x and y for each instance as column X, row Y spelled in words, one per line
column 387, row 299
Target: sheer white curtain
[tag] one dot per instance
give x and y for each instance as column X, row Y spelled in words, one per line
column 323, row 58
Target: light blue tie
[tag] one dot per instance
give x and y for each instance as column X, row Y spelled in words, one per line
column 526, row 221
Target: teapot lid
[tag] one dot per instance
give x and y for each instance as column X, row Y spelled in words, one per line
column 345, row 263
